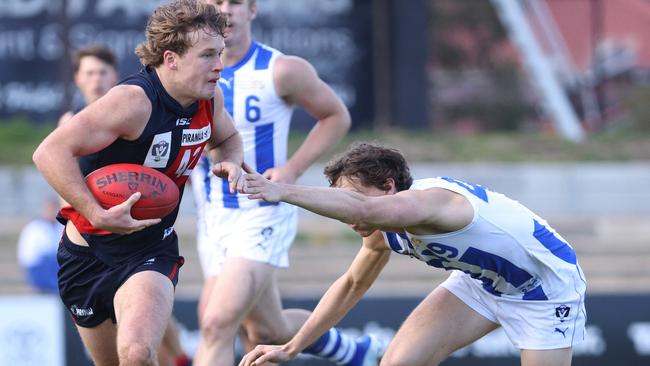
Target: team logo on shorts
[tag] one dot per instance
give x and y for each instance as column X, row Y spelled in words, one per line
column 77, row 311
column 562, row 312
column 561, row 331
column 267, row 232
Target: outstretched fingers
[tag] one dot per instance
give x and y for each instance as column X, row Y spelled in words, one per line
column 252, row 184
column 262, row 354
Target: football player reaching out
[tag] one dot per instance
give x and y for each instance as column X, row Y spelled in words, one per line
column 509, row 267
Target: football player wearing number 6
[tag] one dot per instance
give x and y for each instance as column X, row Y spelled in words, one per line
column 509, row 267
column 247, row 241
column 115, row 269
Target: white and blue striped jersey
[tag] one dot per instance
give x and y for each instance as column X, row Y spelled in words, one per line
column 261, row 116
column 200, row 184
column 511, row 251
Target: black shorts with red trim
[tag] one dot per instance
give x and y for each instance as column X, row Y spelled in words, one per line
column 88, row 285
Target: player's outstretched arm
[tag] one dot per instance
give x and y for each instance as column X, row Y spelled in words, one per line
column 432, row 209
column 298, row 83
column 225, row 147
column 122, row 113
column 334, row 305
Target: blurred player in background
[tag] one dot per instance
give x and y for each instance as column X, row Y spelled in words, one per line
column 95, row 70
column 37, row 245
column 247, row 241
column 95, row 73
column 510, row 268
column 115, row 269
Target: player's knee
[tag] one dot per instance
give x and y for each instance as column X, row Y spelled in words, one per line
column 214, row 328
column 265, row 335
column 137, row 353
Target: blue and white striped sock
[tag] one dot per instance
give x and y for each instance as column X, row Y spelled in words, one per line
column 339, row 348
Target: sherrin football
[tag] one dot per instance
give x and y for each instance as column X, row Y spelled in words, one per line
column 115, row 183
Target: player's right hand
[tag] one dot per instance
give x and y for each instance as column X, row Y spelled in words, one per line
column 118, row 220
column 258, row 187
column 263, row 354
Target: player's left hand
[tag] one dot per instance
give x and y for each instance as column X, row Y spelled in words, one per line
column 281, row 174
column 263, row 354
column 233, row 172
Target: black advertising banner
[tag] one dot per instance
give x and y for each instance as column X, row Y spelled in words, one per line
column 618, row 332
column 333, row 35
column 32, row 48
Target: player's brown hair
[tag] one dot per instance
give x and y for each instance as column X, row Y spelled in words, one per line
column 171, row 27
column 372, row 165
column 103, row 53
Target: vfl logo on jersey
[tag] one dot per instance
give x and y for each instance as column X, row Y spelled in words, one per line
column 193, row 137
column 159, row 152
column 183, row 121
column 562, row 312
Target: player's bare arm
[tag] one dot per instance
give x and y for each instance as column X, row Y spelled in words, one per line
column 298, row 83
column 344, row 293
column 428, row 211
column 91, row 130
column 225, row 146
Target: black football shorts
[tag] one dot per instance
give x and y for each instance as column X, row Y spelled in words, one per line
column 87, row 285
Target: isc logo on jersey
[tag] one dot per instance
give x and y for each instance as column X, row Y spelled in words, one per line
column 183, row 121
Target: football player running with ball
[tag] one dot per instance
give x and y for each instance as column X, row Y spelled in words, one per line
column 115, row 269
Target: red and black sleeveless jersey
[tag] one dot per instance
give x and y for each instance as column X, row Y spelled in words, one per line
column 172, row 142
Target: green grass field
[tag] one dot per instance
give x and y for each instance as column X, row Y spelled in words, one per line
column 19, row 138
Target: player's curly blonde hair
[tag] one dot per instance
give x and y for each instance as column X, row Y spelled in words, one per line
column 171, row 27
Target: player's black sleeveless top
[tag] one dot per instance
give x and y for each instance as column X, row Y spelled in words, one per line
column 172, row 143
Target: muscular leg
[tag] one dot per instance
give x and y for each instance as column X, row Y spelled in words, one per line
column 235, row 291
column 143, row 306
column 438, row 326
column 267, row 322
column 204, row 297
column 100, row 342
column 551, row 357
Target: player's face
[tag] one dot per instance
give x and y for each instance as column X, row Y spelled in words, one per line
column 355, row 185
column 94, row 78
column 240, row 15
column 200, row 67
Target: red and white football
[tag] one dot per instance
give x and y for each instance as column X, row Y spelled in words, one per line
column 115, row 183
